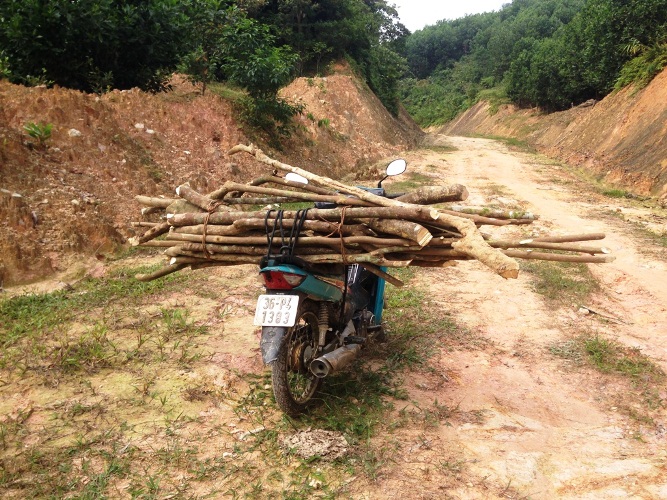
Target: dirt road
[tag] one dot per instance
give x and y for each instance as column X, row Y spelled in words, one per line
column 548, row 429
column 160, row 392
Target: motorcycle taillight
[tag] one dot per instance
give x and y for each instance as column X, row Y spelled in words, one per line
column 276, row 280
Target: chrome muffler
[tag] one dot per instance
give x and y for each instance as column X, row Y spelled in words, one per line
column 334, row 360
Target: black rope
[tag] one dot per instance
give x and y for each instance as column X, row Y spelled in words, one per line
column 271, row 232
column 287, row 243
column 299, row 219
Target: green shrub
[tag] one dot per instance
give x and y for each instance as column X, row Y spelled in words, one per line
column 640, row 70
column 41, row 131
column 5, row 71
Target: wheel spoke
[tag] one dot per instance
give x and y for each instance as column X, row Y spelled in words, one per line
column 294, row 385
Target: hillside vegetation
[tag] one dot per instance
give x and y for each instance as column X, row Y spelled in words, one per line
column 551, row 54
column 620, row 140
column 99, row 45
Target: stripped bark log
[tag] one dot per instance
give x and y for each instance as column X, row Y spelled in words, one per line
column 274, row 179
column 494, row 213
column 154, row 202
column 164, row 271
column 430, row 195
column 333, row 258
column 151, row 210
column 152, row 233
column 557, row 257
column 199, row 200
column 246, row 200
column 242, row 226
column 571, row 238
column 472, row 242
column 182, row 207
column 549, row 246
column 402, row 228
column 478, row 219
column 416, row 213
column 189, row 248
column 382, row 274
column 297, row 195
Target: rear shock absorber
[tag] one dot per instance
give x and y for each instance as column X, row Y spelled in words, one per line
column 323, row 323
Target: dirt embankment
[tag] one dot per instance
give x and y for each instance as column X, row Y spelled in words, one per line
column 73, row 196
column 622, row 139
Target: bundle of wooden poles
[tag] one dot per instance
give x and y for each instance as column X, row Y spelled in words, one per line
column 201, row 230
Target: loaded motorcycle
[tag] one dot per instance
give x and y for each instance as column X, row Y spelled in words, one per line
column 314, row 323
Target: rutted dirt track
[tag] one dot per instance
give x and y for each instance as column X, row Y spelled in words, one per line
column 548, row 431
column 516, row 421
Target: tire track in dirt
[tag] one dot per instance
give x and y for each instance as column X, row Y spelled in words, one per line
column 546, row 431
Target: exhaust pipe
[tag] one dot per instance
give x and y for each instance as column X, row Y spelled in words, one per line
column 335, row 360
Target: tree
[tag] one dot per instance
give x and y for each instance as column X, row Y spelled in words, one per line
column 93, row 44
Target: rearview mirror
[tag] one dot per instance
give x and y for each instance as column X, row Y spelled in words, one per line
column 397, row 167
column 291, row 176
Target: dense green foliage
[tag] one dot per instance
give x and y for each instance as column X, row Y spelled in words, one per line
column 547, row 53
column 366, row 31
column 92, row 44
column 259, row 45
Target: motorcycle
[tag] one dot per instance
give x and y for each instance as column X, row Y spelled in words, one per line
column 315, row 321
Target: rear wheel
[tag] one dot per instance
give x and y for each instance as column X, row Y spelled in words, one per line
column 294, row 385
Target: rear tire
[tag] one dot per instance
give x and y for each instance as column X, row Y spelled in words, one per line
column 294, row 385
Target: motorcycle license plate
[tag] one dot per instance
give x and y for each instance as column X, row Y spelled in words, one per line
column 276, row 310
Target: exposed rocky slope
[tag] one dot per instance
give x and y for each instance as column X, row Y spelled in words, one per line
column 73, row 197
column 622, row 139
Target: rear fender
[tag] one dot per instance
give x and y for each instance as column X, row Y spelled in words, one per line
column 315, row 287
column 272, row 336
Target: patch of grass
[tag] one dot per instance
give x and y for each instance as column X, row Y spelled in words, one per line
column 227, row 92
column 611, row 357
column 561, row 282
column 440, row 148
column 496, row 97
column 616, row 193
column 640, row 378
column 493, row 189
column 28, row 314
column 512, row 143
column 33, row 331
column 110, row 365
column 89, row 351
column 355, row 402
column 659, row 239
column 417, row 327
column 410, row 182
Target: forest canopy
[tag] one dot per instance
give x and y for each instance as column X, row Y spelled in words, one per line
column 260, row 45
column 552, row 54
